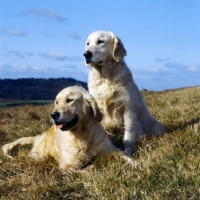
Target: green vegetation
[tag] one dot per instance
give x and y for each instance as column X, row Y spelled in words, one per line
column 168, row 166
column 5, row 105
column 35, row 88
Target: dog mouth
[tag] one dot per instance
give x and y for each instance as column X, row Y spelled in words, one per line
column 89, row 61
column 67, row 125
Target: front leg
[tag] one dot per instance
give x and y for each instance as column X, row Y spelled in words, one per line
column 132, row 132
column 70, row 162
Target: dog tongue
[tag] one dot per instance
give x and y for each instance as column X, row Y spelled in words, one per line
column 59, row 126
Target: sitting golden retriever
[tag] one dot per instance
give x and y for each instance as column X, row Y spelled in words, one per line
column 76, row 136
column 125, row 114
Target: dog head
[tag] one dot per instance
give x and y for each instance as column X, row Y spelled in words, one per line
column 73, row 104
column 102, row 46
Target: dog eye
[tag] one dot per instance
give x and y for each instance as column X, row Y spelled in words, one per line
column 88, row 43
column 56, row 102
column 69, row 100
column 100, row 41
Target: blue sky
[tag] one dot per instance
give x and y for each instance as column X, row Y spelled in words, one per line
column 46, row 38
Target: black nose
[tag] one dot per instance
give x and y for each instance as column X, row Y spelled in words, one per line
column 88, row 54
column 55, row 115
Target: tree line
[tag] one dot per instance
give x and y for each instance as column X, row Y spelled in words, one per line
column 35, row 88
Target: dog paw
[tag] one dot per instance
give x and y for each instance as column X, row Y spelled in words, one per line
column 158, row 129
column 68, row 170
column 129, row 151
column 130, row 161
column 6, row 148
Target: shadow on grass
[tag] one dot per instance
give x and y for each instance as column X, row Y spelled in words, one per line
column 182, row 125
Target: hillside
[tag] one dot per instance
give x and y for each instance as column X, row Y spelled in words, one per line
column 168, row 166
column 34, row 88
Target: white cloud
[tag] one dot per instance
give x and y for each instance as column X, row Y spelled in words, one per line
column 73, row 35
column 166, row 76
column 141, row 76
column 194, row 68
column 175, row 66
column 148, row 70
column 55, row 55
column 14, row 31
column 58, row 56
column 20, row 54
column 47, row 14
column 27, row 71
column 48, row 34
column 162, row 59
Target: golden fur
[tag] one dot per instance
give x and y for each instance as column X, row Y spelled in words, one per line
column 125, row 115
column 77, row 136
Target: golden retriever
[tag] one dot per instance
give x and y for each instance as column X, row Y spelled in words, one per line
column 125, row 114
column 77, row 135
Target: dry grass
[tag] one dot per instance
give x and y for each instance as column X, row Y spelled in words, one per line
column 169, row 167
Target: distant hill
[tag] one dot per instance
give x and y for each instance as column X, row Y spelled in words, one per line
column 35, row 88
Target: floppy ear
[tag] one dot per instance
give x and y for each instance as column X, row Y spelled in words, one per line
column 118, row 49
column 97, row 113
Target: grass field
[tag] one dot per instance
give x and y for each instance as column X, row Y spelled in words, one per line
column 169, row 167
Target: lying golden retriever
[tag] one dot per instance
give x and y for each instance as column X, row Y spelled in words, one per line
column 125, row 114
column 76, row 136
